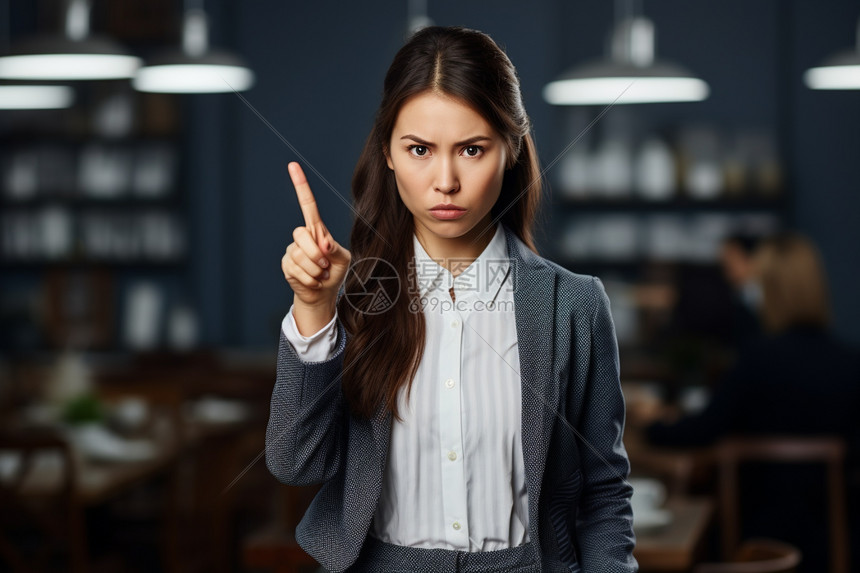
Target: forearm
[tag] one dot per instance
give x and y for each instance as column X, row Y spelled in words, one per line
column 306, row 429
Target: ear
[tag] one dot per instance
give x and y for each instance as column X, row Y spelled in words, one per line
column 387, row 157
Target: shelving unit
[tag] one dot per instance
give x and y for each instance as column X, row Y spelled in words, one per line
column 615, row 232
column 78, row 199
column 635, row 189
column 87, row 215
column 655, row 243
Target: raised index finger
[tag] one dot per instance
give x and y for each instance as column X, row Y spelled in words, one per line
column 306, row 198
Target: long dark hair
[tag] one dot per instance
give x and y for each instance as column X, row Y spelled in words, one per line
column 387, row 335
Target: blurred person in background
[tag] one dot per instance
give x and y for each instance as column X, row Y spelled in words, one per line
column 795, row 378
column 715, row 312
column 737, row 259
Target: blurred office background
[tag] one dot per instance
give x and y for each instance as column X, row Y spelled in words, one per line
column 142, row 232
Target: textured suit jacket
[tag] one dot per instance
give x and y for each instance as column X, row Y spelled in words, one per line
column 572, row 425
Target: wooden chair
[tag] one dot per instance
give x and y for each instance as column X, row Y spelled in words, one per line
column 829, row 451
column 274, row 547
column 757, row 556
column 52, row 518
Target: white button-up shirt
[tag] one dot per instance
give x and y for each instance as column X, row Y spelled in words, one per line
column 455, row 477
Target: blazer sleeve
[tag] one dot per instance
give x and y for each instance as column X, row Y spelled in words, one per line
column 605, row 518
column 306, row 432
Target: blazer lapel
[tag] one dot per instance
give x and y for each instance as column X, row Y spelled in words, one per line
column 534, row 303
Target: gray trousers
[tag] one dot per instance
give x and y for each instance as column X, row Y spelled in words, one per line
column 380, row 557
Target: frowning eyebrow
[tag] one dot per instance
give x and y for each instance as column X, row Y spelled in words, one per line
column 473, row 139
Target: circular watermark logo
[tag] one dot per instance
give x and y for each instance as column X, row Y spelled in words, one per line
column 381, row 283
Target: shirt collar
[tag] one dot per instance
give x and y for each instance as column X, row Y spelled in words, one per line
column 481, row 278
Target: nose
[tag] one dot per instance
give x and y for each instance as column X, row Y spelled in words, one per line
column 446, row 176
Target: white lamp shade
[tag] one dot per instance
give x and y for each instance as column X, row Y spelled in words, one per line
column 841, row 72
column 58, row 58
column 35, row 97
column 606, row 82
column 179, row 73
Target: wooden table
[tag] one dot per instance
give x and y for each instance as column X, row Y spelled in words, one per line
column 97, row 482
column 675, row 546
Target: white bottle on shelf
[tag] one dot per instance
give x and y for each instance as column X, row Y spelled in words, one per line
column 613, row 168
column 655, row 171
column 703, row 177
column 574, row 173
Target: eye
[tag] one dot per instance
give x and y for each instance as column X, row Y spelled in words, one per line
column 423, row 149
column 477, row 150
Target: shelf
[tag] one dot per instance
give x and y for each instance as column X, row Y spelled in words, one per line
column 41, row 264
column 628, row 264
column 680, row 204
column 38, row 139
column 170, row 199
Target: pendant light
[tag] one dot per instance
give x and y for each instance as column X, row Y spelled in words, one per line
column 630, row 74
column 19, row 97
column 195, row 68
column 839, row 72
column 74, row 56
column 35, row 97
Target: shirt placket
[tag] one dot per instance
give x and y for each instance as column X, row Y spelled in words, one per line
column 454, row 500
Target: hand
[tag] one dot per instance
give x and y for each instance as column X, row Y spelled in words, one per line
column 314, row 264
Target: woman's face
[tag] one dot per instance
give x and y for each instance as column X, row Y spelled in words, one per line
column 443, row 151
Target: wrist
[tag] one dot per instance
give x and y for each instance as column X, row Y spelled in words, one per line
column 321, row 307
column 311, row 318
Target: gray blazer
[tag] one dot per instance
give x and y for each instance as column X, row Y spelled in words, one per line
column 572, row 408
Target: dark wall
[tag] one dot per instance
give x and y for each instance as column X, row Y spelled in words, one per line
column 825, row 154
column 320, row 67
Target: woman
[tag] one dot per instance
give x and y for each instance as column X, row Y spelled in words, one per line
column 798, row 379
column 458, row 395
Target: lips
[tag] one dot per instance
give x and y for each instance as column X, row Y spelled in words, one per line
column 447, row 212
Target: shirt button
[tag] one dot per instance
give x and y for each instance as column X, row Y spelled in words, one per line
column 455, row 323
column 452, row 455
column 456, row 525
column 449, row 383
